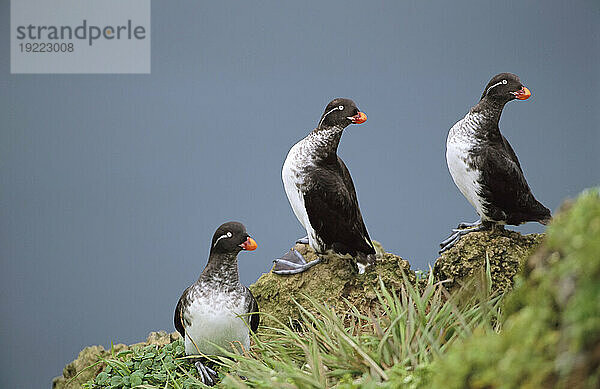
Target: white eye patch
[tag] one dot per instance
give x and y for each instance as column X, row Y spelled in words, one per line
column 503, row 82
column 340, row 107
column 226, row 236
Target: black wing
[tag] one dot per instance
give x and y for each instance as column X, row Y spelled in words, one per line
column 252, row 307
column 178, row 319
column 333, row 211
column 511, row 153
column 505, row 188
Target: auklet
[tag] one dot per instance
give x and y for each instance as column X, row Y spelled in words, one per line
column 322, row 195
column 217, row 309
column 485, row 167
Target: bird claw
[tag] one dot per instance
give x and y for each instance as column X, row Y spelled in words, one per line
column 303, row 240
column 463, row 225
column 293, row 263
column 207, row 375
column 450, row 241
column 458, row 233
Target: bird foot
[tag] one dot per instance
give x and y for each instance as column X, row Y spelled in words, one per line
column 207, row 375
column 464, row 225
column 293, row 263
column 303, row 240
column 458, row 233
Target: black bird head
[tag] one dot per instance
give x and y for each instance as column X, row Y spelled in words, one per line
column 231, row 238
column 505, row 87
column 341, row 112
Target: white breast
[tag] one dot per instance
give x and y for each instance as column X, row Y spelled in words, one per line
column 458, row 145
column 215, row 319
column 291, row 174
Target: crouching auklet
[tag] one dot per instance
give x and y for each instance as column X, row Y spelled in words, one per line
column 484, row 166
column 322, row 195
column 215, row 309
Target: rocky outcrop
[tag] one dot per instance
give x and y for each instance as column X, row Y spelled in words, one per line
column 336, row 279
column 550, row 334
column 333, row 282
column 505, row 251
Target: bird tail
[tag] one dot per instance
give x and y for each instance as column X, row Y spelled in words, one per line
column 545, row 221
column 364, row 260
column 545, row 216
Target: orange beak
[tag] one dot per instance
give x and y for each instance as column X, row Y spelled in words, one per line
column 522, row 94
column 249, row 244
column 358, row 118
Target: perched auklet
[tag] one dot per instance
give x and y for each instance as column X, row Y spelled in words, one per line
column 484, row 166
column 322, row 195
column 215, row 309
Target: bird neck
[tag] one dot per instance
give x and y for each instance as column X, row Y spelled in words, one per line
column 221, row 268
column 324, row 141
column 487, row 113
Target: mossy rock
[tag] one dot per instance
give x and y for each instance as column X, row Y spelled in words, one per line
column 331, row 282
column 505, row 250
column 550, row 336
column 85, row 367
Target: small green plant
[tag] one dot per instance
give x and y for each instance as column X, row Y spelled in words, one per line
column 147, row 367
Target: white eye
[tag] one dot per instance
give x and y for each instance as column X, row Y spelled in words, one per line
column 504, row 82
column 341, row 107
column 227, row 235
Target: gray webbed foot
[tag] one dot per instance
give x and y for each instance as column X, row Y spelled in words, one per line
column 464, row 225
column 458, row 233
column 303, row 240
column 293, row 263
column 207, row 375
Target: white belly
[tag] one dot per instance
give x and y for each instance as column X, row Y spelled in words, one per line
column 215, row 324
column 465, row 178
column 290, row 174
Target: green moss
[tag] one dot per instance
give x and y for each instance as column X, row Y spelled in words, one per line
column 505, row 250
column 551, row 331
column 331, row 282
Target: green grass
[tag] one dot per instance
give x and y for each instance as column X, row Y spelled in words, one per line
column 391, row 346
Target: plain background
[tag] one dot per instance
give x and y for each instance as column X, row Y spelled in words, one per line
column 112, row 185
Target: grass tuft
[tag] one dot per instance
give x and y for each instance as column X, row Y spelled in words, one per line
column 392, row 345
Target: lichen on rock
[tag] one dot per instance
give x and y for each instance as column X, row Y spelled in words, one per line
column 333, row 282
column 505, row 250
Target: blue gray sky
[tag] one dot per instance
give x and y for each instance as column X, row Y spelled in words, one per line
column 111, row 186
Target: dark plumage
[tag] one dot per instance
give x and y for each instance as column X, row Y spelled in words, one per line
column 333, row 211
column 485, row 167
column 322, row 194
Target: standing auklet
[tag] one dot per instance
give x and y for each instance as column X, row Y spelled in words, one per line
column 214, row 310
column 322, row 195
column 484, row 166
